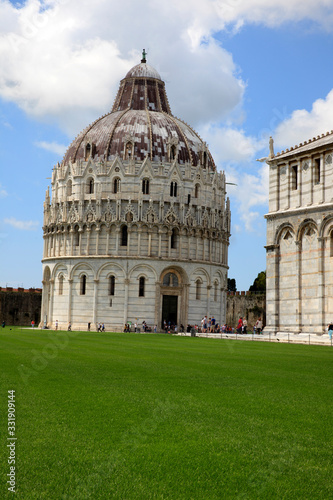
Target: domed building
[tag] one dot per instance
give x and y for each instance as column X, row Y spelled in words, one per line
column 137, row 227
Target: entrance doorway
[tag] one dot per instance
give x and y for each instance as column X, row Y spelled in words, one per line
column 169, row 309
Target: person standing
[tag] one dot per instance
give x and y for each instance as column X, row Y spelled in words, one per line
column 244, row 326
column 330, row 330
column 32, row 324
column 56, row 325
column 240, row 325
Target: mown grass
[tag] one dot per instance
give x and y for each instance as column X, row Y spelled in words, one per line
column 130, row 416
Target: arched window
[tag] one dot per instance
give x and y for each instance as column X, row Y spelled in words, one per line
column 197, row 191
column 83, row 284
column 198, row 290
column 188, row 199
column 129, row 150
column 173, row 152
column 90, row 186
column 69, row 188
column 76, row 236
column 124, row 236
column 173, row 189
column 173, row 242
column 145, row 186
column 116, row 185
column 88, row 151
column 61, row 284
column 215, row 291
column 111, row 285
column 142, row 287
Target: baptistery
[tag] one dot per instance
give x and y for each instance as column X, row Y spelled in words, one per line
column 137, row 225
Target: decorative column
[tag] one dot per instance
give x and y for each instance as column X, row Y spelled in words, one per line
column 71, row 231
column 117, row 239
column 272, row 288
column 180, row 245
column 51, row 302
column 98, row 230
column 88, row 231
column 300, row 185
column 80, row 240
column 169, row 243
column 209, row 287
column 299, row 324
column 108, row 241
column 149, row 242
column 126, row 283
column 70, row 286
column 139, row 240
column 160, row 242
column 321, row 283
column 95, row 304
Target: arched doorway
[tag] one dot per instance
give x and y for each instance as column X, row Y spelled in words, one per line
column 173, row 298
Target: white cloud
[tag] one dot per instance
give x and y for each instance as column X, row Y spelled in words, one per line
column 303, row 125
column 22, row 225
column 53, row 147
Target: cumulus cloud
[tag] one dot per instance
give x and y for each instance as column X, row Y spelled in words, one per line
column 303, row 125
column 53, row 147
column 22, row 225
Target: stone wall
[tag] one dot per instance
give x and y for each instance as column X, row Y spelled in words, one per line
column 249, row 305
column 19, row 306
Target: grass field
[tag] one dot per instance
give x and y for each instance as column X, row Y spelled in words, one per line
column 131, row 416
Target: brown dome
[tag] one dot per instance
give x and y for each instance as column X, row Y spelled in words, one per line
column 142, row 116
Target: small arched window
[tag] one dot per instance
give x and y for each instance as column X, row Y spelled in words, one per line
column 142, row 287
column 215, row 291
column 198, row 290
column 173, row 189
column 116, row 185
column 129, row 150
column 61, row 284
column 69, row 188
column 197, row 191
column 88, row 151
column 145, row 186
column 76, row 236
column 173, row 152
column 90, row 186
column 124, row 236
column 173, row 242
column 83, row 284
column 111, row 285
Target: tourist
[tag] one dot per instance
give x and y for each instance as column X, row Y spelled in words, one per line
column 56, row 324
column 89, row 326
column 32, row 324
column 69, row 326
column 3, row 324
column 244, row 326
column 240, row 325
column 213, row 323
column 259, row 326
column 155, row 328
column 330, row 330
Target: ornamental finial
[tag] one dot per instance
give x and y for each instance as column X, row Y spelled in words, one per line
column 144, row 53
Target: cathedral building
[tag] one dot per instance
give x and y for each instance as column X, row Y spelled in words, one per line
column 137, row 225
column 300, row 237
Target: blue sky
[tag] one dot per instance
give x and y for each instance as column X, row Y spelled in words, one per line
column 237, row 70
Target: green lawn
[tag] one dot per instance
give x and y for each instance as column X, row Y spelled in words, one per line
column 130, row 416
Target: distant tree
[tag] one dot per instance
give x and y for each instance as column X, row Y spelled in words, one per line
column 259, row 284
column 232, row 285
